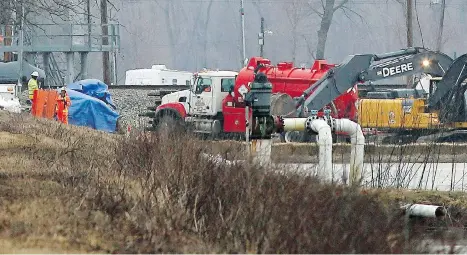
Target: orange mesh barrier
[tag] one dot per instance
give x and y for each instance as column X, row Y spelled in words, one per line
column 43, row 105
column 50, row 104
column 38, row 104
column 33, row 106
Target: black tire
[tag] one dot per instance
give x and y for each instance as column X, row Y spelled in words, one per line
column 120, row 128
column 169, row 119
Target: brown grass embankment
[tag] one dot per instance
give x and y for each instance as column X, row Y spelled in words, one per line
column 70, row 189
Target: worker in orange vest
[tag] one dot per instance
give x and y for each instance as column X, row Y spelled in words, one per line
column 63, row 102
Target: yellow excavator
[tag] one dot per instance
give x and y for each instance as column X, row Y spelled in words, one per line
column 413, row 115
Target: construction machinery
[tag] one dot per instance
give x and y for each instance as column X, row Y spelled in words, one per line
column 222, row 102
column 412, row 115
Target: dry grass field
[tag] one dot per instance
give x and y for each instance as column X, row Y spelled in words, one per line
column 73, row 190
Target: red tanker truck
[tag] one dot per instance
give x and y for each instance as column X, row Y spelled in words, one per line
column 288, row 82
column 215, row 106
column 293, row 81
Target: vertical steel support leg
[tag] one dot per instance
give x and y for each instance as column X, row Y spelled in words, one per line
column 70, row 67
column 46, row 63
column 84, row 65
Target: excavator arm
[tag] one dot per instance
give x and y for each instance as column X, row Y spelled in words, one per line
column 449, row 97
column 360, row 68
column 451, row 81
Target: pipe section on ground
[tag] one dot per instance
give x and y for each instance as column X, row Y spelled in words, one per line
column 357, row 147
column 426, row 211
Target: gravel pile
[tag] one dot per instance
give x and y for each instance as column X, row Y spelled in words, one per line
column 129, row 102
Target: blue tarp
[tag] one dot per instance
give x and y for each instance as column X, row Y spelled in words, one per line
column 94, row 88
column 91, row 112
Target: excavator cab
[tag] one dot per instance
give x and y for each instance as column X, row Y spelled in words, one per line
column 433, row 84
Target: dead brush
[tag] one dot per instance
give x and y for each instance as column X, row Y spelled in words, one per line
column 244, row 208
column 162, row 194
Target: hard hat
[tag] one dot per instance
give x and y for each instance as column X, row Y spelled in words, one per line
column 36, row 74
column 63, row 89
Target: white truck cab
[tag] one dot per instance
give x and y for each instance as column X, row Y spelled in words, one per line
column 206, row 94
column 208, row 91
column 203, row 101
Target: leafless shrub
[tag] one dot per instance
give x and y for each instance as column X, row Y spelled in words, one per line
column 165, row 193
column 164, row 185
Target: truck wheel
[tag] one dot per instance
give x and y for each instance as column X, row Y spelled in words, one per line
column 169, row 120
column 121, row 127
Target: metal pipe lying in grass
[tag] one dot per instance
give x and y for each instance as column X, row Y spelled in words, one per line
column 425, row 211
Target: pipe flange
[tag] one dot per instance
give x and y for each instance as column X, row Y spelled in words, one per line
column 333, row 125
column 308, row 123
column 330, row 121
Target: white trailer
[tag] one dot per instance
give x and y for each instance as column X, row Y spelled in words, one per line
column 158, row 75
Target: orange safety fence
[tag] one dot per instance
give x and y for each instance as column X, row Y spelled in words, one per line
column 43, row 103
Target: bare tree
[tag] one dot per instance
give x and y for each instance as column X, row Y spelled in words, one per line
column 174, row 16
column 326, row 13
column 46, row 9
column 296, row 13
column 200, row 35
column 205, row 29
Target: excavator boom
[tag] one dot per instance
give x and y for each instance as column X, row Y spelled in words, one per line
column 358, row 68
column 450, row 82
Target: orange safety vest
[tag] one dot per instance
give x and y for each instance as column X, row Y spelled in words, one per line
column 62, row 108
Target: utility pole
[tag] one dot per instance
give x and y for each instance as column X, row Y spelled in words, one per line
column 409, row 23
column 114, row 53
column 88, row 20
column 105, row 41
column 84, row 55
column 409, row 35
column 439, row 43
column 20, row 58
column 261, row 38
column 242, row 17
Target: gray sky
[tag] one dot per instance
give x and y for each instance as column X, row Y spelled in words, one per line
column 366, row 26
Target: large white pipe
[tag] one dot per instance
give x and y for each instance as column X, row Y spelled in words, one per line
column 428, row 211
column 325, row 147
column 295, row 124
column 324, row 141
column 357, row 147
